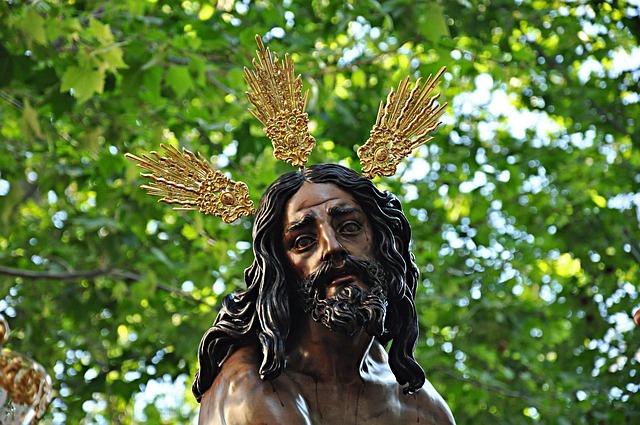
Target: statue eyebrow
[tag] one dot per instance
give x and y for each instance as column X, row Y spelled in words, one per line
column 305, row 221
column 338, row 210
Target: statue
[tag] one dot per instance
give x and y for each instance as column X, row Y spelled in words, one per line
column 333, row 280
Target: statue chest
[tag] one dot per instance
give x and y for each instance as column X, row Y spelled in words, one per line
column 363, row 403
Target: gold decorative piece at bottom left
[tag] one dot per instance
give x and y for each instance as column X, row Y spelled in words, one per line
column 192, row 182
column 25, row 386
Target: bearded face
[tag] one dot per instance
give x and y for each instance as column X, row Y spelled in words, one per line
column 352, row 305
column 330, row 246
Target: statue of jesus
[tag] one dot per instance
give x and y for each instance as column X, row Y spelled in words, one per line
column 332, row 284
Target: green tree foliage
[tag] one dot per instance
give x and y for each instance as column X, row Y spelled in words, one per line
column 525, row 207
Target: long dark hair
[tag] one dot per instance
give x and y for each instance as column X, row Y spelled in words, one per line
column 262, row 312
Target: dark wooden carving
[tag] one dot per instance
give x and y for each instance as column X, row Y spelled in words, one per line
column 304, row 342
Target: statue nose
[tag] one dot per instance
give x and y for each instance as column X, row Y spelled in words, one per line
column 333, row 249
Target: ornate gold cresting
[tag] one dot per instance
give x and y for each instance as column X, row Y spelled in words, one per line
column 191, row 181
column 276, row 94
column 402, row 125
column 25, row 387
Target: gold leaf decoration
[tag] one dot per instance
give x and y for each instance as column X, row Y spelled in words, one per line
column 276, row 94
column 24, row 382
column 401, row 126
column 191, row 182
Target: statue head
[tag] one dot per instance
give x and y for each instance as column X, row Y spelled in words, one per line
column 262, row 314
column 329, row 244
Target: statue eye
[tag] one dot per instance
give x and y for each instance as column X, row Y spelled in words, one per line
column 303, row 242
column 350, row 228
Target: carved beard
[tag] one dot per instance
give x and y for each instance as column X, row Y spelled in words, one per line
column 352, row 307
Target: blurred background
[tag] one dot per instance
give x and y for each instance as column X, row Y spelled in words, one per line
column 525, row 207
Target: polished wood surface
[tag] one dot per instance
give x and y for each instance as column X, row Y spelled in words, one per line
column 331, row 375
column 360, row 390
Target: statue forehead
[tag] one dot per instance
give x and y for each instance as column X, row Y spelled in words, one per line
column 312, row 195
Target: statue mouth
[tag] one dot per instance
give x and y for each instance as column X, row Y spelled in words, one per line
column 330, row 279
column 350, row 278
column 343, row 279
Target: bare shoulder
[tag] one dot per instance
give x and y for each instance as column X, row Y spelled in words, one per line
column 431, row 405
column 239, row 396
column 426, row 406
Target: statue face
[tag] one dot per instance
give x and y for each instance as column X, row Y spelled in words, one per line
column 323, row 223
column 329, row 243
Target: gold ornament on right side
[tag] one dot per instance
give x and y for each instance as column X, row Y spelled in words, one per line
column 402, row 125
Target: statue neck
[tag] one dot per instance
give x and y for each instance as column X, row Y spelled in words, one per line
column 325, row 355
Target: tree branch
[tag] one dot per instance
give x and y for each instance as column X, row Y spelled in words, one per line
column 489, row 387
column 11, row 100
column 34, row 274
column 90, row 274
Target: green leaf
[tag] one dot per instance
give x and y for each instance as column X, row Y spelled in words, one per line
column 179, row 79
column 160, row 255
column 112, row 58
column 30, row 123
column 10, row 202
column 82, row 83
column 101, row 31
column 433, row 23
column 6, row 66
column 151, row 89
column 32, row 26
column 120, row 291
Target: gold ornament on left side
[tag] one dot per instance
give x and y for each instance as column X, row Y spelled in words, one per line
column 25, row 386
column 191, row 182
